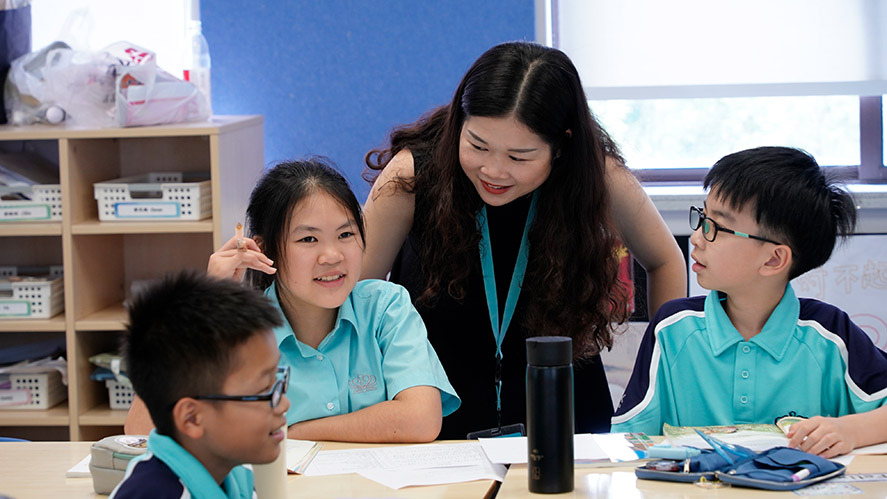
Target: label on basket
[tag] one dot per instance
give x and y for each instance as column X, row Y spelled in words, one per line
column 25, row 212
column 19, row 396
column 160, row 209
column 15, row 308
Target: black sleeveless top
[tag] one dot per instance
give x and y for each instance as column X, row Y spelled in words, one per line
column 462, row 336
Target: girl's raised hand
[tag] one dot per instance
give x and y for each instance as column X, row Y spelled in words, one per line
column 229, row 261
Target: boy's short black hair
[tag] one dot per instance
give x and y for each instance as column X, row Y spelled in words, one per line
column 794, row 200
column 183, row 331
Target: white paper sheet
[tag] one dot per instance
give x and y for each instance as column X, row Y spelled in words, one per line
column 615, row 447
column 514, row 449
column 409, row 457
column 871, row 449
column 397, row 479
column 81, row 469
column 505, row 450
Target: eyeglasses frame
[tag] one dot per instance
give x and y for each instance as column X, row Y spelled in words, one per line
column 280, row 385
column 718, row 227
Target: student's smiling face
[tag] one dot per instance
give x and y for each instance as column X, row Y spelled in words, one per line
column 323, row 253
column 247, row 432
column 502, row 158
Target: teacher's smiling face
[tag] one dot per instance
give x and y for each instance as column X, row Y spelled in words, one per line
column 502, row 158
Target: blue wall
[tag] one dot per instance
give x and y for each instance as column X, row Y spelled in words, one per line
column 333, row 77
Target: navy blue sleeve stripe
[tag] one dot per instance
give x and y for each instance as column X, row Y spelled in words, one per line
column 640, row 383
column 866, row 363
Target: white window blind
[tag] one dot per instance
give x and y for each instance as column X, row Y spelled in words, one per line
column 638, row 49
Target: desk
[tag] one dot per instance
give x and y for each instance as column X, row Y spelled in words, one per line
column 620, row 483
column 37, row 469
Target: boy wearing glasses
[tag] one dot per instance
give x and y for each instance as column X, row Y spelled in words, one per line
column 203, row 357
column 752, row 351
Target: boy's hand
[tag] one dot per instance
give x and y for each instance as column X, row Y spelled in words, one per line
column 231, row 260
column 826, row 437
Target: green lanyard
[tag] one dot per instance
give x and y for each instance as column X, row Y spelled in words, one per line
column 517, row 279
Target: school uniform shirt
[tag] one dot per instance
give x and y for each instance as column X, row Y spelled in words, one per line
column 377, row 348
column 169, row 471
column 694, row 368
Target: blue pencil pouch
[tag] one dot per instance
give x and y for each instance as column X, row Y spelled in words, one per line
column 779, row 468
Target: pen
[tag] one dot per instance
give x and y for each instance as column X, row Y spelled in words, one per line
column 800, row 475
column 238, row 233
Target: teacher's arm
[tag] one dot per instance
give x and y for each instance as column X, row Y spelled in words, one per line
column 388, row 213
column 644, row 233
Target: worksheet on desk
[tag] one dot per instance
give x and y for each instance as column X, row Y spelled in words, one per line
column 397, row 479
column 409, row 457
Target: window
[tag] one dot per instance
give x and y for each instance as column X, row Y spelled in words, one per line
column 694, row 133
column 90, row 25
column 680, row 84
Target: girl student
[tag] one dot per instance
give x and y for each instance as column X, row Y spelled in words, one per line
column 362, row 369
column 502, row 213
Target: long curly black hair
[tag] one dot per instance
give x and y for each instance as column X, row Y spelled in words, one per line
column 571, row 277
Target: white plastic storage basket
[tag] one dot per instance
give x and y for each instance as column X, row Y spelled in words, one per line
column 31, row 292
column 155, row 196
column 42, row 203
column 33, row 391
column 119, row 395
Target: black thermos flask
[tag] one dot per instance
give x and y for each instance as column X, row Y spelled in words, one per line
column 550, row 414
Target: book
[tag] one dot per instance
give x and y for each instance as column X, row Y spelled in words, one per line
column 299, row 454
column 756, row 436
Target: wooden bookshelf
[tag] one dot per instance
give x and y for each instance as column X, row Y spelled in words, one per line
column 104, row 261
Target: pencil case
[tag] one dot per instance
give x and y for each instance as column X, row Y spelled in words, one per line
column 773, row 469
column 777, row 469
column 109, row 458
column 674, row 476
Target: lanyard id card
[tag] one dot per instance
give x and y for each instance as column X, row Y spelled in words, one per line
column 499, row 329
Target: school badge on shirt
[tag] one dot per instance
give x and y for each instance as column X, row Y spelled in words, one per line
column 363, row 383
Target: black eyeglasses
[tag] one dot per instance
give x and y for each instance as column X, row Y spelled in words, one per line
column 272, row 396
column 710, row 228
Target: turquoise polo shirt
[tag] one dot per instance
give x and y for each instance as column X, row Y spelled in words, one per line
column 377, row 348
column 694, row 368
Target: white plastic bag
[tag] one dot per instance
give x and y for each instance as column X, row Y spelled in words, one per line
column 118, row 86
column 82, row 83
column 27, row 98
column 147, row 95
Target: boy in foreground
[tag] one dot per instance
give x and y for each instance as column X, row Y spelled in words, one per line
column 751, row 351
column 203, row 358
